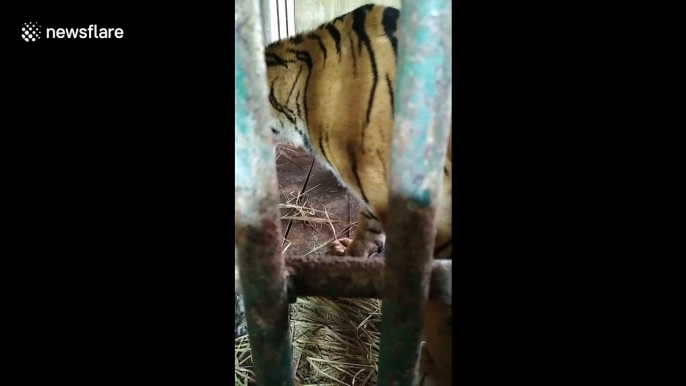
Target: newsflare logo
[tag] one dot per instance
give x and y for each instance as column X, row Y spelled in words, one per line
column 31, row 32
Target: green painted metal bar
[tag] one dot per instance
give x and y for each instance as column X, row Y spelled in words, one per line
column 419, row 146
column 258, row 231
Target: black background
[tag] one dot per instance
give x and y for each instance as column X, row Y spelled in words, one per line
column 118, row 174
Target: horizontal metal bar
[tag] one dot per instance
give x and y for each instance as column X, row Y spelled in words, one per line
column 352, row 277
column 334, row 276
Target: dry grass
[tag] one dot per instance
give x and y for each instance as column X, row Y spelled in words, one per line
column 335, row 342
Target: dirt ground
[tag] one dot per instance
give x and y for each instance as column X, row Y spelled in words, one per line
column 310, row 191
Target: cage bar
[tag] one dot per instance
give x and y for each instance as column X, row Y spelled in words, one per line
column 258, row 230
column 353, row 277
column 418, row 150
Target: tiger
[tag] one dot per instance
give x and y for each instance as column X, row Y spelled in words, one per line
column 331, row 92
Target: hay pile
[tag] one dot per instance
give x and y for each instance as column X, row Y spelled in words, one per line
column 334, row 341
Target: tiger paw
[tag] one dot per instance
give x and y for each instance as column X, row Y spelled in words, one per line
column 340, row 246
column 348, row 247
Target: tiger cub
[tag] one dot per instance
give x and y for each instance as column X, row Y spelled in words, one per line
column 331, row 92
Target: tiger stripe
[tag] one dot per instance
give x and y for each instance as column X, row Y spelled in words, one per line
column 353, row 55
column 359, row 17
column 279, row 107
column 305, row 57
column 336, row 36
column 297, row 105
column 316, row 37
column 390, row 25
column 353, row 167
column 390, row 92
column 321, row 147
column 295, row 82
column 275, row 60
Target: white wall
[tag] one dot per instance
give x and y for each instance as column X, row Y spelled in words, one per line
column 278, row 19
column 284, row 18
column 310, row 14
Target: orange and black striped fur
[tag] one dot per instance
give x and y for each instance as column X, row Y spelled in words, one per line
column 331, row 91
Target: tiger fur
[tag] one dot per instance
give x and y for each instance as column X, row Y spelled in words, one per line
column 331, row 92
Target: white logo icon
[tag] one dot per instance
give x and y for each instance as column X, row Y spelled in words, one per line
column 30, row 32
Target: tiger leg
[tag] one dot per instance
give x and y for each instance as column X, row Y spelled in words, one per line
column 435, row 360
column 368, row 240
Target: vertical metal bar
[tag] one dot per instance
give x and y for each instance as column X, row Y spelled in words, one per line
column 274, row 20
column 258, row 231
column 283, row 20
column 290, row 17
column 419, row 146
column 266, row 21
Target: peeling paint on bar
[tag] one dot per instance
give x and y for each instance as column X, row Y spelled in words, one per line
column 422, row 102
column 419, row 146
column 258, row 231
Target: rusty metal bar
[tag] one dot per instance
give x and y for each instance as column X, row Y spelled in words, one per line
column 258, row 230
column 418, row 150
column 352, row 277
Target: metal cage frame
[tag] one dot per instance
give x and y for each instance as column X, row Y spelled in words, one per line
column 408, row 275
